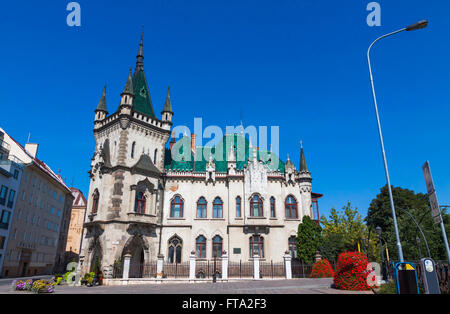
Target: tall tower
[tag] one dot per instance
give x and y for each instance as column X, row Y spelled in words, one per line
column 126, row 189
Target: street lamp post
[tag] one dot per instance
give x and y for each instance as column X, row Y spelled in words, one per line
column 415, row 26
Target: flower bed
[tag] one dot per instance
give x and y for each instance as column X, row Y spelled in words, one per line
column 354, row 272
column 322, row 269
column 38, row 286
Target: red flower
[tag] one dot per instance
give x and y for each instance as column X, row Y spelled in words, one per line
column 322, row 269
column 352, row 272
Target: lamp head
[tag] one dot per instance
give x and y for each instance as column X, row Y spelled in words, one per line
column 417, row 26
column 378, row 230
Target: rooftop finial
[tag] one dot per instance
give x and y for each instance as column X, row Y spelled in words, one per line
column 140, row 56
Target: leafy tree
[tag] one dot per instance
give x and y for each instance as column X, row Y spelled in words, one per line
column 308, row 240
column 332, row 246
column 380, row 214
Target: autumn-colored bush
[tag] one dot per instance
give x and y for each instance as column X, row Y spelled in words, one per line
column 353, row 272
column 322, row 269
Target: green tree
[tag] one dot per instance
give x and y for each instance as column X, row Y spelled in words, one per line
column 343, row 231
column 308, row 240
column 380, row 214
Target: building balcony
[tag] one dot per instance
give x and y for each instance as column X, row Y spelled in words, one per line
column 142, row 218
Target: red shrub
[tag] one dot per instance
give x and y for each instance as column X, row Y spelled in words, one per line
column 322, row 269
column 352, row 272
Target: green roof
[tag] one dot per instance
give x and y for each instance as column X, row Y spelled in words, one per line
column 142, row 102
column 187, row 162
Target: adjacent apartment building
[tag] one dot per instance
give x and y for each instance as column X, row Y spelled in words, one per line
column 39, row 226
column 10, row 175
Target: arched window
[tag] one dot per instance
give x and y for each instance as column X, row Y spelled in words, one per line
column 217, row 246
column 200, row 247
column 95, row 199
column 175, row 248
column 155, row 156
column 272, row 207
column 176, row 207
column 201, row 208
column 217, row 208
column 238, row 207
column 256, row 206
column 292, row 243
column 291, row 207
column 139, row 206
column 133, row 149
column 256, row 246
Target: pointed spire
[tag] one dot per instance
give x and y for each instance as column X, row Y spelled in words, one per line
column 140, row 56
column 303, row 167
column 168, row 104
column 129, row 85
column 102, row 103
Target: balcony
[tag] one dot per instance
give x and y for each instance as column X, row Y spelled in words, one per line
column 142, row 218
column 5, row 146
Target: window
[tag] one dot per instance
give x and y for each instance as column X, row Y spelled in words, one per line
column 256, row 246
column 139, row 205
column 176, row 207
column 175, row 248
column 200, row 247
column 95, row 199
column 155, row 156
column 217, row 247
column 133, row 149
column 291, row 207
column 272, row 207
column 201, row 208
column 217, row 208
column 3, row 193
column 16, row 174
column 256, row 206
column 4, row 222
column 292, row 243
column 238, row 207
column 2, row 242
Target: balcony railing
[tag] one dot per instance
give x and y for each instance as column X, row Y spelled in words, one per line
column 5, row 145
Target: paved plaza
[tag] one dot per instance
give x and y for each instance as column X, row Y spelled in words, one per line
column 295, row 286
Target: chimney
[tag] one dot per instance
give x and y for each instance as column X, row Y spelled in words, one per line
column 193, row 147
column 32, row 149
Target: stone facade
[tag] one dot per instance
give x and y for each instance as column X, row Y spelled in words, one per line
column 146, row 203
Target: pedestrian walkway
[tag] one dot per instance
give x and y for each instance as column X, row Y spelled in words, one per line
column 295, row 286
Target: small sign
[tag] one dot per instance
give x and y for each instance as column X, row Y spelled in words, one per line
column 435, row 209
column 236, row 251
column 429, row 275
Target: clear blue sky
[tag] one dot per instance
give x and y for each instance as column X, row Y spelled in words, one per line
column 297, row 64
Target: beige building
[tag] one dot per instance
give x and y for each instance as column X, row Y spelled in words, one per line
column 76, row 224
column 154, row 202
column 39, row 226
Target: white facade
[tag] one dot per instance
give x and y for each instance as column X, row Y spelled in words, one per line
column 131, row 163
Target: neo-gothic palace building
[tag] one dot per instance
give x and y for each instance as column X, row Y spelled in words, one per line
column 146, row 201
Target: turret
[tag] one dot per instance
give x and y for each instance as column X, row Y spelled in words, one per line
column 127, row 96
column 101, row 112
column 305, row 184
column 167, row 112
